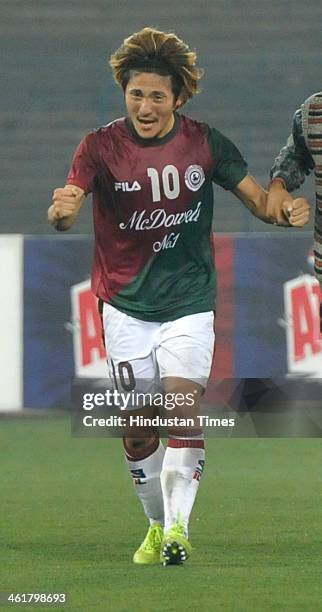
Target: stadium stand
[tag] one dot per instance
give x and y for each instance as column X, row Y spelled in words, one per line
column 57, row 87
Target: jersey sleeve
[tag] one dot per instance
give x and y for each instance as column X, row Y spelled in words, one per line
column 229, row 165
column 84, row 166
column 294, row 160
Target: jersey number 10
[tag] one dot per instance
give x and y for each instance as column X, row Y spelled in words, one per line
column 170, row 182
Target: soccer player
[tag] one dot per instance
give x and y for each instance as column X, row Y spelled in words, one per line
column 151, row 177
column 302, row 154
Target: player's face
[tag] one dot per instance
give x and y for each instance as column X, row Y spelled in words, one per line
column 150, row 104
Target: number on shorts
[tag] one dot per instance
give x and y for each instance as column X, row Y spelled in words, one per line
column 126, row 375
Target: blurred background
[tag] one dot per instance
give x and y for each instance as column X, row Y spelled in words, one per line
column 261, row 60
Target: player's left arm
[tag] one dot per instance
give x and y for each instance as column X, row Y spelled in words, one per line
column 282, row 209
column 230, row 172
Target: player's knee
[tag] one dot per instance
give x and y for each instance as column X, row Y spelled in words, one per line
column 137, row 444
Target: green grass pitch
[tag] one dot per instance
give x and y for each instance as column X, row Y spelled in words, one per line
column 70, row 521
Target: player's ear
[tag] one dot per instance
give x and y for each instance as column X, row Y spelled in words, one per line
column 179, row 102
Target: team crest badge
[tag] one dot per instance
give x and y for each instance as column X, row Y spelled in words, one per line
column 194, row 177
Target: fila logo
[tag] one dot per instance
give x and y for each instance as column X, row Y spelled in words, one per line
column 125, row 186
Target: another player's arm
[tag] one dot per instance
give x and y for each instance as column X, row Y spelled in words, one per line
column 282, row 209
column 291, row 166
column 292, row 163
column 66, row 204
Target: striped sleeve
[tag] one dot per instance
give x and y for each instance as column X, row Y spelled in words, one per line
column 312, row 127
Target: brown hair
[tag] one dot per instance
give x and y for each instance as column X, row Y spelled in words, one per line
column 151, row 50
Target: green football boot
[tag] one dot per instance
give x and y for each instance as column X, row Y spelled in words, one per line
column 149, row 551
column 175, row 547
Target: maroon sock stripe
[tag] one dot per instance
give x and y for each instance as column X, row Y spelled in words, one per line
column 139, row 454
column 188, row 443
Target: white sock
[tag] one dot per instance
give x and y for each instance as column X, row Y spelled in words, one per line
column 146, row 480
column 182, row 467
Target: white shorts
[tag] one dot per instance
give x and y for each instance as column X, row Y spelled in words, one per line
column 142, row 353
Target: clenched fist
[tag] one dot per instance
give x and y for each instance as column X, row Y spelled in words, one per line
column 297, row 212
column 283, row 209
column 67, row 202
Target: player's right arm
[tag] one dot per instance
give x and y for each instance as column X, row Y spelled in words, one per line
column 67, row 201
column 66, row 204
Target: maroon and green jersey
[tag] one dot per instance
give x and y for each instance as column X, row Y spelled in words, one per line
column 153, row 207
